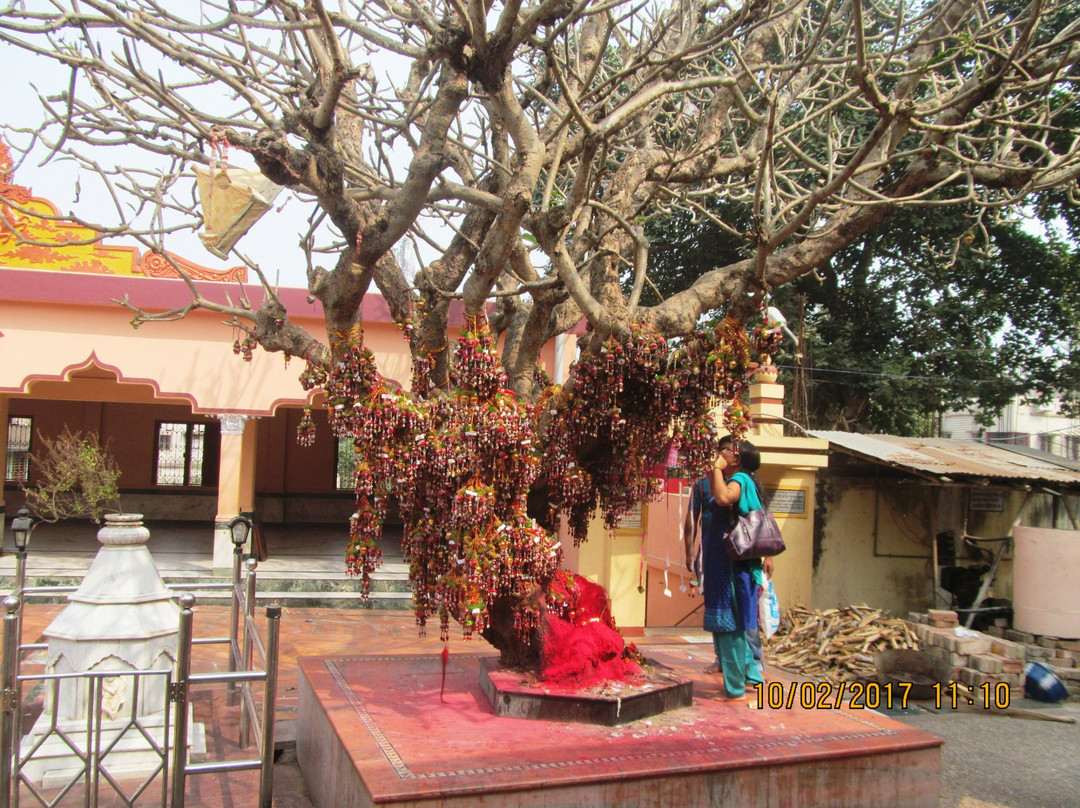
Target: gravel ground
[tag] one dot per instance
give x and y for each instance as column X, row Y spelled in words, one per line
column 1005, row 761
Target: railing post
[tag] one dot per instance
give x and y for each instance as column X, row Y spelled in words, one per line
column 179, row 699
column 9, row 669
column 20, row 585
column 93, row 739
column 234, row 614
column 20, row 572
column 249, row 621
column 269, row 715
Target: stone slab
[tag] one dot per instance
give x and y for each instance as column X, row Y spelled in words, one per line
column 375, row 730
column 511, row 696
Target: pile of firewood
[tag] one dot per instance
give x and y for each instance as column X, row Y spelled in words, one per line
column 836, row 645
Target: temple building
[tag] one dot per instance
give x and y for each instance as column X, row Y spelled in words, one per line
column 201, row 435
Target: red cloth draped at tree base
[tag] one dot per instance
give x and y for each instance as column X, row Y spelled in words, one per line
column 581, row 644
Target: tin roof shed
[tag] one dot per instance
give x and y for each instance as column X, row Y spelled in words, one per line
column 966, row 462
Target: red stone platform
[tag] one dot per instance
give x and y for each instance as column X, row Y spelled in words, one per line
column 373, row 730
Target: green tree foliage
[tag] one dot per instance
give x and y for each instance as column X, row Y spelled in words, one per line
column 918, row 319
column 928, row 312
column 684, row 244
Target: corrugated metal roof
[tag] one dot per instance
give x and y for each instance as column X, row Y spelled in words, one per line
column 1064, row 462
column 955, row 459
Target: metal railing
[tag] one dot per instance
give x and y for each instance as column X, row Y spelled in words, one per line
column 99, row 737
column 244, row 677
column 93, row 747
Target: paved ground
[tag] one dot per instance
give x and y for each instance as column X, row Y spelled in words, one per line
column 989, row 761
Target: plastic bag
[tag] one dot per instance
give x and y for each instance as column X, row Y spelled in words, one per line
column 768, row 608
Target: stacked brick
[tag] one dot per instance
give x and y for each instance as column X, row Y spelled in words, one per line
column 996, row 656
column 976, row 659
column 1060, row 656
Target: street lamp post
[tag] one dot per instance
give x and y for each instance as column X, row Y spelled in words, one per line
column 21, row 528
column 239, row 529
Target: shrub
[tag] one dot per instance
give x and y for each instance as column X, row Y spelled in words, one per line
column 76, row 477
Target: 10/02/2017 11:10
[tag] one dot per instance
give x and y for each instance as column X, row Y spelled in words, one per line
column 874, row 696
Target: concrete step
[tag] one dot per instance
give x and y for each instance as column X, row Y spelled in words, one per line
column 335, row 600
column 389, row 581
column 299, row 599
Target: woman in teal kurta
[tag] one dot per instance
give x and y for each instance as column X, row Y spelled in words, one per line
column 731, row 587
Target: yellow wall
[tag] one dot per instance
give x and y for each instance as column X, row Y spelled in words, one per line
column 793, row 570
column 611, row 559
column 876, row 541
column 875, row 548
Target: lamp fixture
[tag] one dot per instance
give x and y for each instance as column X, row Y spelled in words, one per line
column 21, row 527
column 239, row 528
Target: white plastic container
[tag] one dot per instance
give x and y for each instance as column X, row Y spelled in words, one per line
column 1046, row 597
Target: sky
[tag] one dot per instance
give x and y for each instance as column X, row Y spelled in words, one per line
column 272, row 242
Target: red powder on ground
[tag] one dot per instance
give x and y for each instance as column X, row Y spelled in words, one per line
column 581, row 644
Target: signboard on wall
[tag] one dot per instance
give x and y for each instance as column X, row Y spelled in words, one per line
column 987, row 499
column 786, row 501
column 632, row 520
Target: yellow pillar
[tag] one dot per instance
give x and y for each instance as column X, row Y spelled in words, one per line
column 789, row 474
column 236, row 483
column 247, row 467
column 767, row 406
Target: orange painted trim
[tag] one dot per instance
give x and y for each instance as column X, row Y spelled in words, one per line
column 92, row 361
column 156, row 265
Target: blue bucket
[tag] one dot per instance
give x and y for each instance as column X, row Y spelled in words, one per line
column 1041, row 684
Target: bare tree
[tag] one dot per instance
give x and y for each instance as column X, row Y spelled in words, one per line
column 542, row 137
